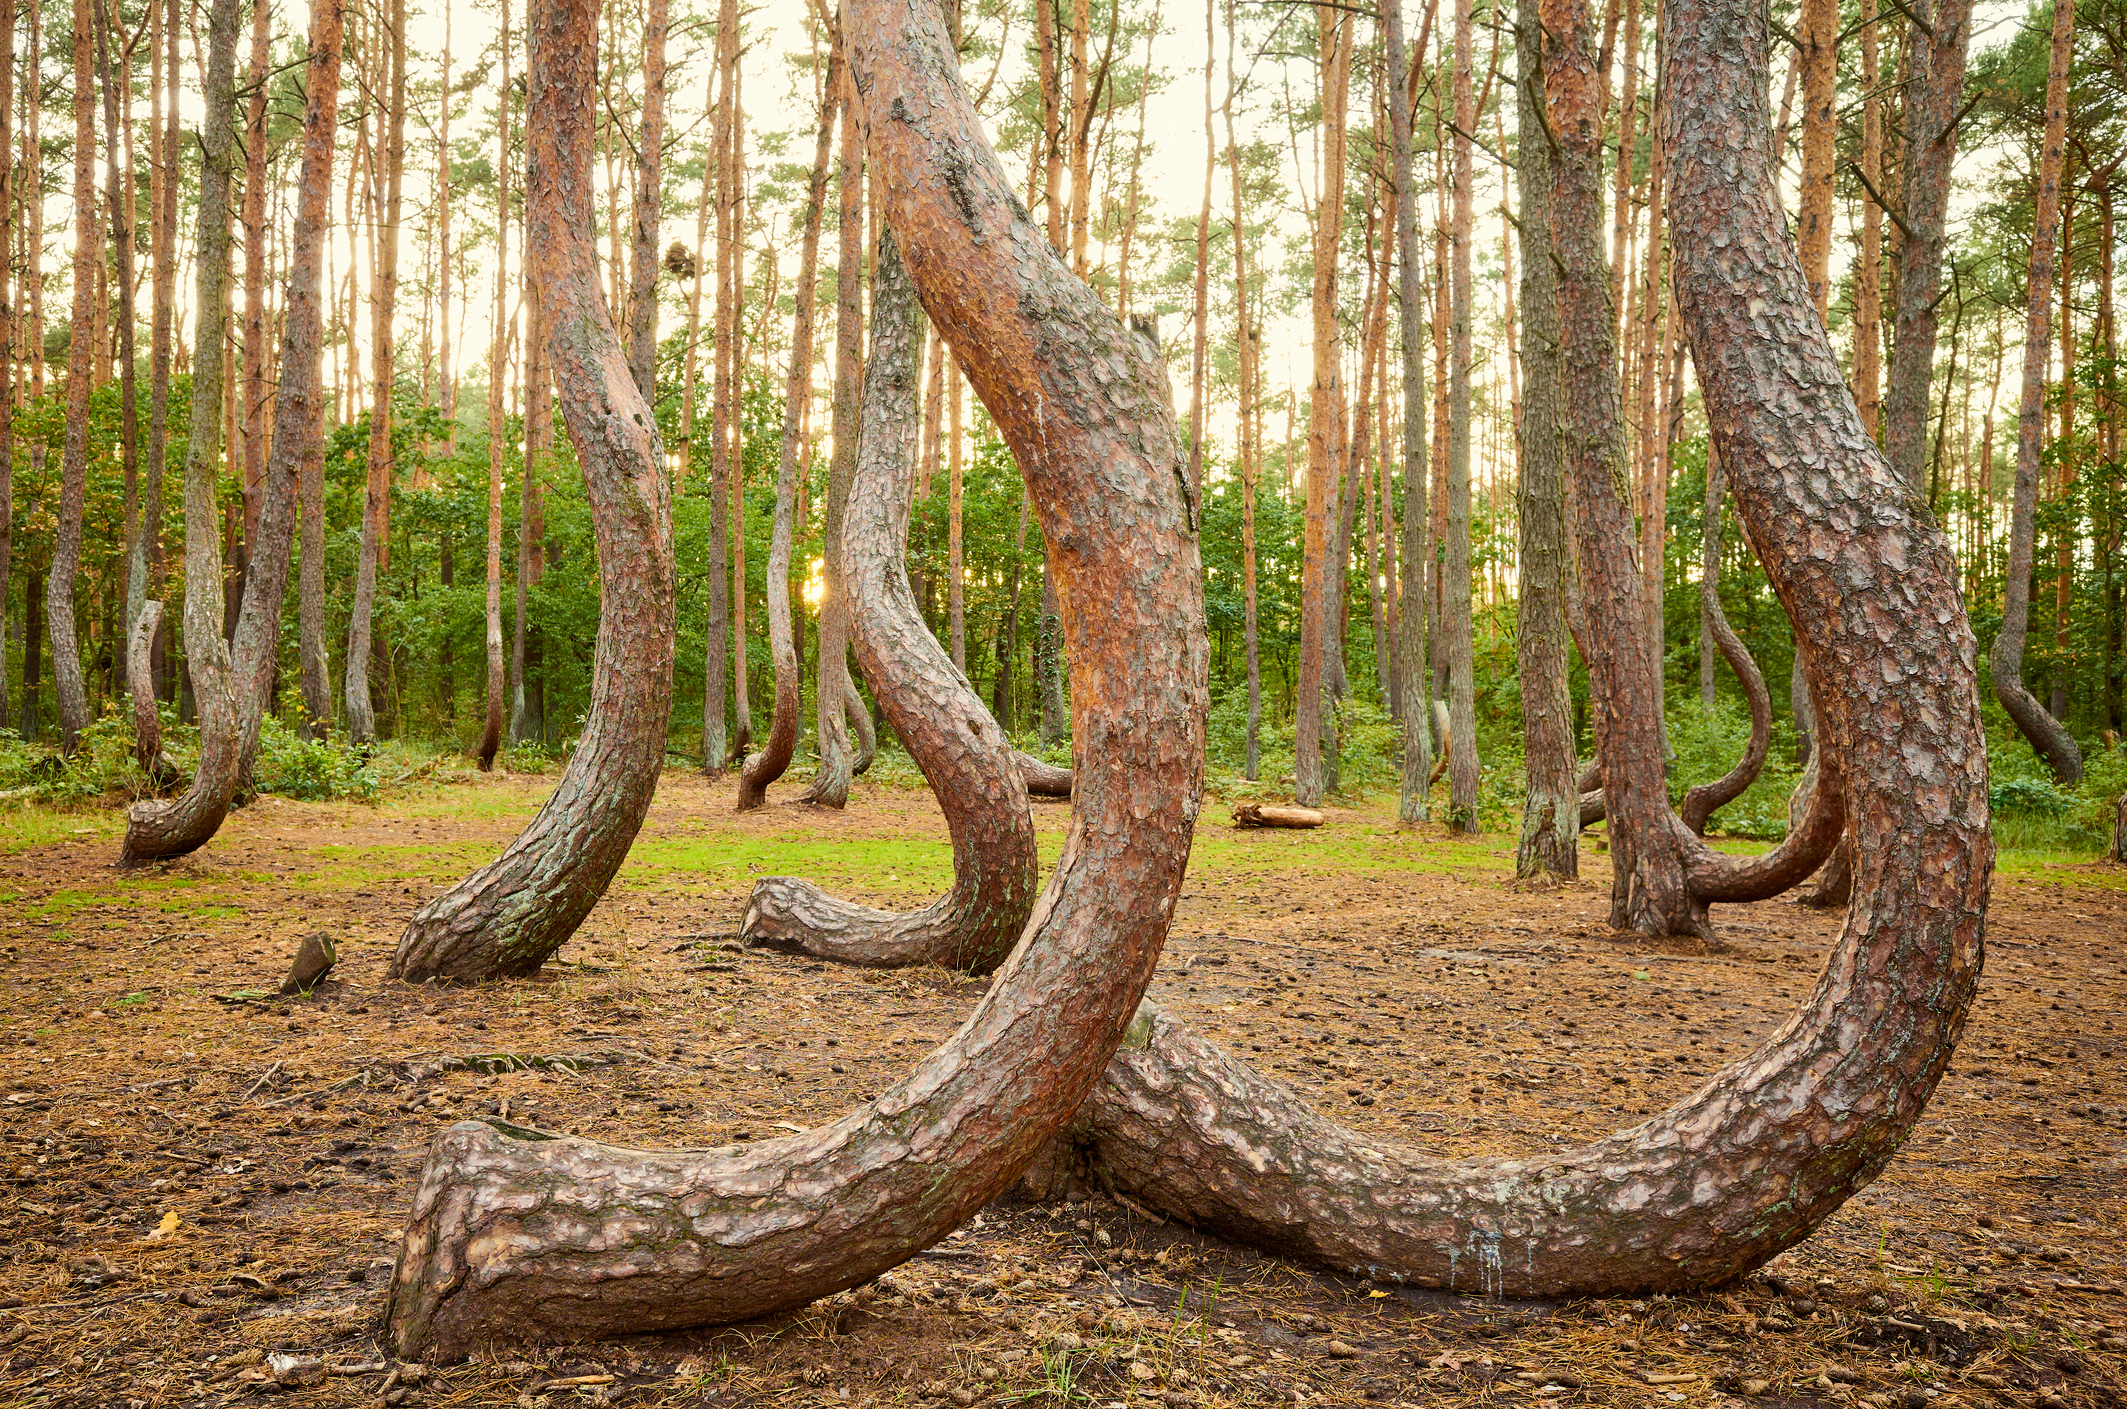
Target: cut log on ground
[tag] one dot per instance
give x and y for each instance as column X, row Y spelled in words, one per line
column 1256, row 814
column 1042, row 779
column 514, row 1237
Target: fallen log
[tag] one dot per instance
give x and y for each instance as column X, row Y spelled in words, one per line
column 1256, row 814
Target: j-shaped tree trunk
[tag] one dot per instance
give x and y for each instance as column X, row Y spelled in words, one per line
column 147, row 720
column 864, row 745
column 1769, row 1147
column 1662, row 876
column 1703, row 801
column 942, row 722
column 1550, row 818
column 514, row 1237
column 507, row 917
column 770, row 763
column 2048, row 737
column 157, row 830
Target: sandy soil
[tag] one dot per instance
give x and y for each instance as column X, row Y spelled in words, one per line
column 201, row 1183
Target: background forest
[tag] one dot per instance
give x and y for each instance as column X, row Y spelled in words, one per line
column 1227, row 182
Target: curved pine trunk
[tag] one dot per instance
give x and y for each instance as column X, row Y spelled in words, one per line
column 1769, row 1147
column 1042, row 779
column 514, row 1237
column 147, row 720
column 507, row 917
column 773, row 760
column 942, row 723
column 1701, row 802
column 155, row 831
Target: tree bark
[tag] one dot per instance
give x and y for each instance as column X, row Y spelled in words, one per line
column 649, row 194
column 1818, row 28
column 157, row 831
column 67, row 683
column 147, row 720
column 513, row 1237
column 152, row 826
column 1935, row 86
column 963, row 753
column 506, row 918
column 7, row 329
column 1458, row 627
column 1043, row 779
column 118, row 194
column 2048, row 737
column 1411, row 805
column 830, row 784
column 716, row 633
column 774, row 757
column 383, row 308
column 497, row 368
column 1768, row 1148
column 1550, row 817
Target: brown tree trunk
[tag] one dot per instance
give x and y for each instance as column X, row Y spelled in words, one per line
column 830, row 784
column 157, row 829
column 1043, row 779
column 649, row 194
column 1701, row 802
column 506, row 918
column 1818, row 28
column 1936, row 89
column 925, row 696
column 605, row 1240
column 497, row 367
column 119, row 194
column 147, row 721
column 770, row 763
column 2047, row 736
column 1868, row 257
column 734, row 398
column 383, row 308
column 527, row 719
column 716, row 648
column 67, row 683
column 1550, row 817
column 1415, row 555
column 1458, row 627
column 7, row 330
column 1319, row 635
column 250, row 403
column 1768, row 1148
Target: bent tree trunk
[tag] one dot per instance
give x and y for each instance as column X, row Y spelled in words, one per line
column 1042, row 779
column 170, row 829
column 147, row 720
column 507, row 917
column 155, row 829
column 773, row 760
column 2047, row 736
column 514, row 1237
column 1768, row 1148
column 866, row 740
column 1703, row 801
column 942, row 722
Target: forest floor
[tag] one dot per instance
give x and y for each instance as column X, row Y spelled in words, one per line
column 199, row 1180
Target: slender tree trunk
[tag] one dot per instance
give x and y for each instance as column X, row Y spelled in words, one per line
column 860, row 1195
column 1936, row 94
column 1411, row 805
column 717, row 630
column 1550, row 819
column 1200, row 323
column 1868, row 258
column 769, row 764
column 734, row 396
column 250, row 404
column 383, row 308
column 1246, row 335
column 497, row 368
column 506, row 918
column 1464, row 771
column 830, row 785
column 926, row 697
column 1819, row 61
column 153, row 826
column 67, row 683
column 118, row 192
column 955, row 555
column 649, row 194
column 446, row 380
column 2047, row 736
column 7, row 325
column 1318, row 631
column 526, row 722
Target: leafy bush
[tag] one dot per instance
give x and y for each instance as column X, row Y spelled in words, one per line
column 308, row 771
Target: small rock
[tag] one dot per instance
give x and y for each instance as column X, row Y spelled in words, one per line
column 1914, row 1399
column 1343, row 1351
column 314, row 959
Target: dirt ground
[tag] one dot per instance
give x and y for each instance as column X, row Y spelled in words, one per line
column 201, row 1184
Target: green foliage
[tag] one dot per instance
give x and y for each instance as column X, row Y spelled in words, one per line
column 309, row 771
column 1709, row 742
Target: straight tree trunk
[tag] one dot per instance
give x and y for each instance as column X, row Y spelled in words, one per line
column 859, row 1195
column 527, row 723
column 2047, row 736
column 1411, row 804
column 1464, row 771
column 1199, row 324
column 830, row 784
column 446, row 381
column 383, row 308
column 497, row 367
column 1936, row 94
column 7, row 325
column 1250, row 440
column 717, row 630
column 118, row 192
column 1819, row 60
column 1868, row 258
column 507, row 917
column 769, row 764
column 1550, row 818
column 67, row 683
column 151, row 826
column 1318, row 631
column 734, row 395
column 925, row 696
column 649, row 194
column 251, row 404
